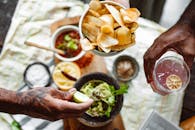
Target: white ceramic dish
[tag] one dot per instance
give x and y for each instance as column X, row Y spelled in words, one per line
column 54, row 37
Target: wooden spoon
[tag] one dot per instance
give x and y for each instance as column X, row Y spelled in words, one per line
column 45, row 48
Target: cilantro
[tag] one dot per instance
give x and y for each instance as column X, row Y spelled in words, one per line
column 123, row 89
column 15, row 126
column 67, row 37
column 72, row 45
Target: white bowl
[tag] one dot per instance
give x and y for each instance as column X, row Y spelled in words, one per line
column 54, row 37
column 101, row 53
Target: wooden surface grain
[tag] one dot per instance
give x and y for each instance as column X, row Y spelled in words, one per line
column 97, row 64
column 73, row 124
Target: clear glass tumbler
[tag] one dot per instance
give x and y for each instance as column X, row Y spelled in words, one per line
column 171, row 74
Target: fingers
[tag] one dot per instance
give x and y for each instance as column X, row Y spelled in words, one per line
column 68, row 95
column 189, row 60
column 64, row 95
column 71, row 107
column 151, row 56
column 123, row 2
column 79, row 107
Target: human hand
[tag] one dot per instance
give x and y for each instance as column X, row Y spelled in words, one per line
column 51, row 104
column 179, row 38
column 123, row 2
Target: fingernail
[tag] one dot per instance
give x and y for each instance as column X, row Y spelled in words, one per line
column 91, row 100
column 72, row 90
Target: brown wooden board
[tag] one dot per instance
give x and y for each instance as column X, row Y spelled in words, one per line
column 97, row 64
column 88, row 63
column 73, row 124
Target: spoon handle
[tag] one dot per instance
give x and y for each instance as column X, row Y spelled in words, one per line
column 45, row 48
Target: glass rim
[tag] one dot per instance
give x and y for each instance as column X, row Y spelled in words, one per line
column 178, row 60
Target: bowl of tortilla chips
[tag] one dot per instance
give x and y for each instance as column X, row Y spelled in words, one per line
column 107, row 27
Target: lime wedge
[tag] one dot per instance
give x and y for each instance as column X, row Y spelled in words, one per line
column 80, row 97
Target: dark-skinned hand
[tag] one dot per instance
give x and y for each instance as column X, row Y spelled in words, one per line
column 179, row 38
column 51, row 104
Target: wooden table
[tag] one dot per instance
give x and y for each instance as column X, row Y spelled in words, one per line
column 72, row 124
column 94, row 66
column 6, row 12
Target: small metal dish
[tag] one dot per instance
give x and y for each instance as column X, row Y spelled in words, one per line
column 29, row 83
column 133, row 63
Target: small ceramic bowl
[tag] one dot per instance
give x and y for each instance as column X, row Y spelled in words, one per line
column 55, row 36
column 95, row 51
column 133, row 65
column 100, row 121
column 42, row 72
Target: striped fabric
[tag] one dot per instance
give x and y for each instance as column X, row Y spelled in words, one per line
column 29, row 123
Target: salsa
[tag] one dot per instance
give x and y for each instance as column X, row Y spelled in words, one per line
column 69, row 42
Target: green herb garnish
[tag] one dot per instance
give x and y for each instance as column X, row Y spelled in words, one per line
column 61, row 46
column 67, row 37
column 72, row 45
column 123, row 89
column 103, row 95
column 15, row 126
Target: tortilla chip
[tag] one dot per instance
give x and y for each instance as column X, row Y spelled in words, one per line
column 96, row 21
column 132, row 26
column 103, row 11
column 86, row 45
column 106, row 41
column 120, row 47
column 107, row 29
column 129, row 15
column 90, row 31
column 115, row 14
column 105, row 49
column 132, row 38
column 95, row 5
column 123, row 35
column 94, row 13
column 108, row 19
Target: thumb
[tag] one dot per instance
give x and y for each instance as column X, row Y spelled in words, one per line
column 66, row 95
column 123, row 2
column 189, row 60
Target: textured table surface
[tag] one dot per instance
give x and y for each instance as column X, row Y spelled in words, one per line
column 7, row 8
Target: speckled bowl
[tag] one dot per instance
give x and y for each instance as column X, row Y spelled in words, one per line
column 100, row 121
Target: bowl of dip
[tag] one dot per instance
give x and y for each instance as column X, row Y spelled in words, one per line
column 67, row 38
column 37, row 74
column 100, row 87
column 125, row 68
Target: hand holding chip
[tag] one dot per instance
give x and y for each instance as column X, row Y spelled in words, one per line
column 108, row 27
column 123, row 2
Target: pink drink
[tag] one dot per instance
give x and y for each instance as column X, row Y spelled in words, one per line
column 170, row 74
